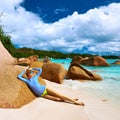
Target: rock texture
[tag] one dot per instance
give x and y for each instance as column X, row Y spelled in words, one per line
column 46, row 60
column 54, row 72
column 77, row 59
column 26, row 61
column 13, row 92
column 117, row 62
column 95, row 61
column 51, row 71
column 77, row 72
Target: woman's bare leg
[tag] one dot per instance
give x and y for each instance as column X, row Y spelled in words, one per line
column 62, row 97
column 52, row 98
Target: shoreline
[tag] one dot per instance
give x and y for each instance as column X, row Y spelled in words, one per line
column 44, row 109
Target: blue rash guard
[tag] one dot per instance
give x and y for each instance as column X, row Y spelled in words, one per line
column 33, row 82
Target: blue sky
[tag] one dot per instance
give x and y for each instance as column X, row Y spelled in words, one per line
column 51, row 10
column 90, row 26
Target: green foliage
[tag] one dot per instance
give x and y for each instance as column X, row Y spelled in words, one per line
column 111, row 56
column 5, row 39
column 25, row 52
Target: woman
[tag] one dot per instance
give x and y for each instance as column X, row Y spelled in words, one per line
column 42, row 90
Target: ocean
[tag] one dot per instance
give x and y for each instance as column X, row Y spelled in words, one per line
column 107, row 89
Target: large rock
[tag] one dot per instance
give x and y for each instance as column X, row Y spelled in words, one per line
column 26, row 61
column 51, row 71
column 33, row 58
column 116, row 62
column 46, row 60
column 77, row 59
column 77, row 72
column 13, row 92
column 95, row 61
column 5, row 57
column 36, row 64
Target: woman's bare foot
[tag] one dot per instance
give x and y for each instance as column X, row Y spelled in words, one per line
column 76, row 99
column 79, row 103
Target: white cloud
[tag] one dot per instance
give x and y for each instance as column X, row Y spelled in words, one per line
column 9, row 5
column 57, row 11
column 95, row 31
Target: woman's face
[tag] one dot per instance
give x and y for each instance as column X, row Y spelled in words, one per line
column 28, row 74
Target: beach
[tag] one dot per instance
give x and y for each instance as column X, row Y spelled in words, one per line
column 72, row 47
column 101, row 98
column 41, row 108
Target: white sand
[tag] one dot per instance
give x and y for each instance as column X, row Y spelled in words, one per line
column 43, row 109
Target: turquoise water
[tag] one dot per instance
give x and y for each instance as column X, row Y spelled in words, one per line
column 107, row 89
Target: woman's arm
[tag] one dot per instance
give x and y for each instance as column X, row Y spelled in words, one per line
column 39, row 71
column 22, row 78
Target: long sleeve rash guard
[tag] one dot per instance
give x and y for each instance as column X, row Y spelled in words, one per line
column 33, row 82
